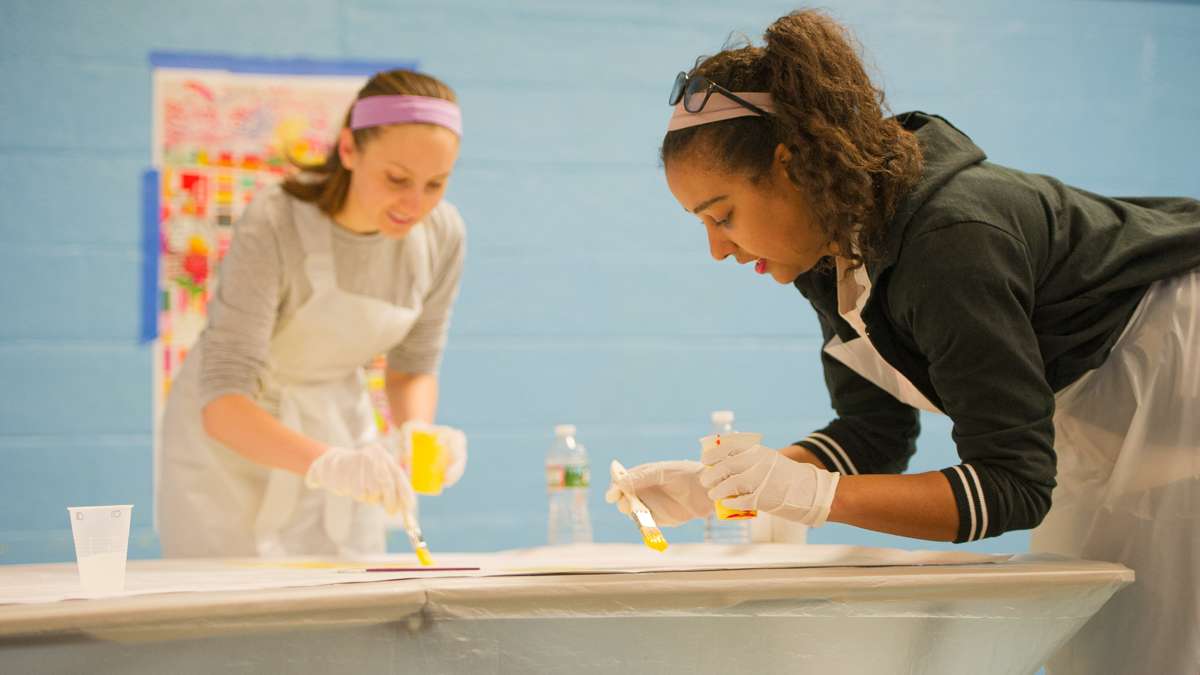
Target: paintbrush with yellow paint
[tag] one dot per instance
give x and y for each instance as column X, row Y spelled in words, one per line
column 416, row 538
column 640, row 514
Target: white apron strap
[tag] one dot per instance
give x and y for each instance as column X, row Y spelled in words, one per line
column 861, row 356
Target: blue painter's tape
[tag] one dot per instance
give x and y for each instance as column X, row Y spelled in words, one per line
column 275, row 66
column 150, row 247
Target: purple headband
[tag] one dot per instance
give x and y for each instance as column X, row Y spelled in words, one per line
column 719, row 108
column 374, row 111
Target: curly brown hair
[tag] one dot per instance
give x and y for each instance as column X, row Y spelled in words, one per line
column 332, row 180
column 854, row 164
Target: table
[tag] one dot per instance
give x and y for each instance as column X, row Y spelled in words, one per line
column 784, row 609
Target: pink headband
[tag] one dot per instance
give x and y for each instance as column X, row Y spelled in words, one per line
column 374, row 111
column 720, row 108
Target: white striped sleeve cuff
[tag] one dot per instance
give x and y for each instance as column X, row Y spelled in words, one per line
column 972, row 507
column 830, row 452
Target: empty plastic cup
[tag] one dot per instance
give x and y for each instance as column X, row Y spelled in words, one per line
column 101, row 546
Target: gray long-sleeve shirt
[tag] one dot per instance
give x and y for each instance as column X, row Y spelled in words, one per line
column 263, row 282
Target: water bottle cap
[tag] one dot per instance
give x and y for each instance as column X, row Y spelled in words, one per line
column 722, row 417
column 564, row 430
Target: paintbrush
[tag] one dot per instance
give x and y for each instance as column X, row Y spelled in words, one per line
column 640, row 514
column 417, row 539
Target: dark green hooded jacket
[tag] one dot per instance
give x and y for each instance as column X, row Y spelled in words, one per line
column 996, row 289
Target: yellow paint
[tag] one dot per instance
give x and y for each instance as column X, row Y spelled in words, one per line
column 424, row 557
column 726, row 513
column 654, row 539
column 428, row 463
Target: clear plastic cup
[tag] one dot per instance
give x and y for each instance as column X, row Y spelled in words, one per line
column 735, row 441
column 101, row 546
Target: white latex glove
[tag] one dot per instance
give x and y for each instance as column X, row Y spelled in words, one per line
column 671, row 490
column 368, row 474
column 761, row 478
column 452, row 440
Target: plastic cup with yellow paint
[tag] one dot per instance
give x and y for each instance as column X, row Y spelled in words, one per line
column 427, row 461
column 721, row 445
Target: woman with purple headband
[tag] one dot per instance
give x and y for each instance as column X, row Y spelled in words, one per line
column 269, row 442
column 1059, row 331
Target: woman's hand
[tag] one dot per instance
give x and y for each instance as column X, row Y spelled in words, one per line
column 762, row 479
column 369, row 474
column 453, row 442
column 671, row 490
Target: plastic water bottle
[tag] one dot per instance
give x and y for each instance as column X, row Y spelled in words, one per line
column 717, row 531
column 567, row 480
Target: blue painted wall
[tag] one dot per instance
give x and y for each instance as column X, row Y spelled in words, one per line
column 588, row 297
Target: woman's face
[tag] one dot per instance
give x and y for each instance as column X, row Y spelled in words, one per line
column 397, row 177
column 768, row 223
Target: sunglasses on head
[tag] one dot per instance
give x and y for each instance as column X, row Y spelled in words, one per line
column 695, row 91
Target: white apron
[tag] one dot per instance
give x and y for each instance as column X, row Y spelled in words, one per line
column 213, row 502
column 1127, row 435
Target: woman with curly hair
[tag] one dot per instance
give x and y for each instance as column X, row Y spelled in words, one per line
column 1058, row 329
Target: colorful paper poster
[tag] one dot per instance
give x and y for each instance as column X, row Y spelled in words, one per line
column 220, row 134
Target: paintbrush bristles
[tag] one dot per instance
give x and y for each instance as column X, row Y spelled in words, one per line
column 649, row 529
column 654, row 538
column 640, row 514
column 424, row 557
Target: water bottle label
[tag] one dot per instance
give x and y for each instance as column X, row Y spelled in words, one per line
column 571, row 476
column 576, row 476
